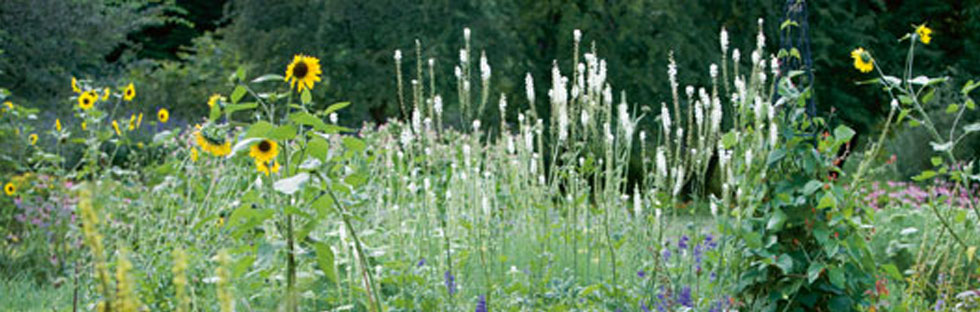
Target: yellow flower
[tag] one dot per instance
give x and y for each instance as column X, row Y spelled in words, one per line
column 105, row 94
column 57, row 125
column 263, row 167
column 221, row 221
column 129, row 93
column 74, row 85
column 32, row 138
column 214, row 99
column 84, row 126
column 115, row 126
column 163, row 115
column 132, row 122
column 264, row 151
column 87, row 100
column 139, row 120
column 9, row 104
column 10, row 189
column 212, row 145
column 862, row 60
column 139, row 145
column 925, row 33
column 303, row 72
column 221, row 150
column 194, row 154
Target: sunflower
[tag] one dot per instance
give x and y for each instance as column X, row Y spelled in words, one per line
column 74, row 85
column 263, row 167
column 10, row 189
column 163, row 115
column 862, row 60
column 132, row 122
column 925, row 33
column 194, row 154
column 214, row 99
column 115, row 126
column 211, row 141
column 105, row 94
column 87, row 100
column 129, row 93
column 84, row 126
column 9, row 104
column 303, row 72
column 57, row 125
column 264, row 151
column 32, row 138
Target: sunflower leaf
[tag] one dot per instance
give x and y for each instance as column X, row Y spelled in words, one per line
column 237, row 94
column 268, row 77
column 290, row 185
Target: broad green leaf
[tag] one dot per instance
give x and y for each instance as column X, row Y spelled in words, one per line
column 325, row 259
column 811, row 187
column 239, row 107
column 827, row 201
column 237, row 94
column 240, row 73
column 952, row 108
column 259, row 129
column 925, row 175
column 843, row 133
column 836, row 275
column 785, row 263
column 306, row 97
column 936, row 161
column 892, row 271
column 969, row 86
column 335, row 107
column 292, row 184
column 929, row 96
column 970, row 104
column 318, row 148
column 775, row 156
column 282, row 133
column 354, row 144
column 777, row 220
column 813, row 273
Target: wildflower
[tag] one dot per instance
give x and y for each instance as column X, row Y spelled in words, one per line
column 421, row 263
column 303, row 72
column 129, row 93
column 450, row 283
column 9, row 105
column 87, row 100
column 723, row 37
column 105, row 94
column 115, row 126
column 529, row 87
column 139, row 120
column 84, row 126
column 684, row 298
column 214, row 99
column 682, row 243
column 163, row 115
column 264, row 151
column 641, row 274
column 862, row 60
column 264, row 167
column 32, row 138
column 665, row 254
column 132, row 122
column 481, row 305
column 10, row 189
column 194, row 154
column 924, row 33
column 212, row 142
column 74, row 85
column 57, row 125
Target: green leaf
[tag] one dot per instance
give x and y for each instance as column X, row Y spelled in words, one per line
column 902, row 114
column 237, row 94
column 335, row 107
column 892, row 271
column 240, row 73
column 969, row 86
column 811, row 187
column 836, row 277
column 775, row 156
column 268, row 77
column 325, row 259
column 777, row 220
column 318, row 148
column 728, row 140
column 239, row 107
column 785, row 263
column 214, row 113
column 259, row 129
column 936, row 161
column 813, row 273
column 306, row 97
column 970, row 104
column 843, row 134
column 354, row 144
column 952, row 108
column 292, row 184
column 282, row 133
column 929, row 96
column 827, row 201
column 925, row 175
column 960, row 216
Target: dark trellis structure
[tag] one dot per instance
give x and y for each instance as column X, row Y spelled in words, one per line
column 794, row 44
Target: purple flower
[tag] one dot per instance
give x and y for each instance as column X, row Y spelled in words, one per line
column 682, row 244
column 641, row 274
column 698, row 253
column 643, row 307
column 718, row 306
column 709, row 240
column 481, row 305
column 684, row 298
column 421, row 262
column 450, row 283
column 665, row 254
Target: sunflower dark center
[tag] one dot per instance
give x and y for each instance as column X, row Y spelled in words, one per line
column 85, row 100
column 300, row 70
column 265, row 146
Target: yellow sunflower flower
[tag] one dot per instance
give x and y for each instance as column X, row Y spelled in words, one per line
column 264, row 151
column 57, row 125
column 221, row 150
column 862, row 60
column 10, row 189
column 74, row 85
column 32, row 138
column 214, row 99
column 87, row 100
column 115, row 126
column 163, row 115
column 139, row 120
column 84, row 126
column 925, row 33
column 105, row 94
column 9, row 104
column 194, row 155
column 303, row 72
column 132, row 122
column 264, row 167
column 212, row 145
column 129, row 93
